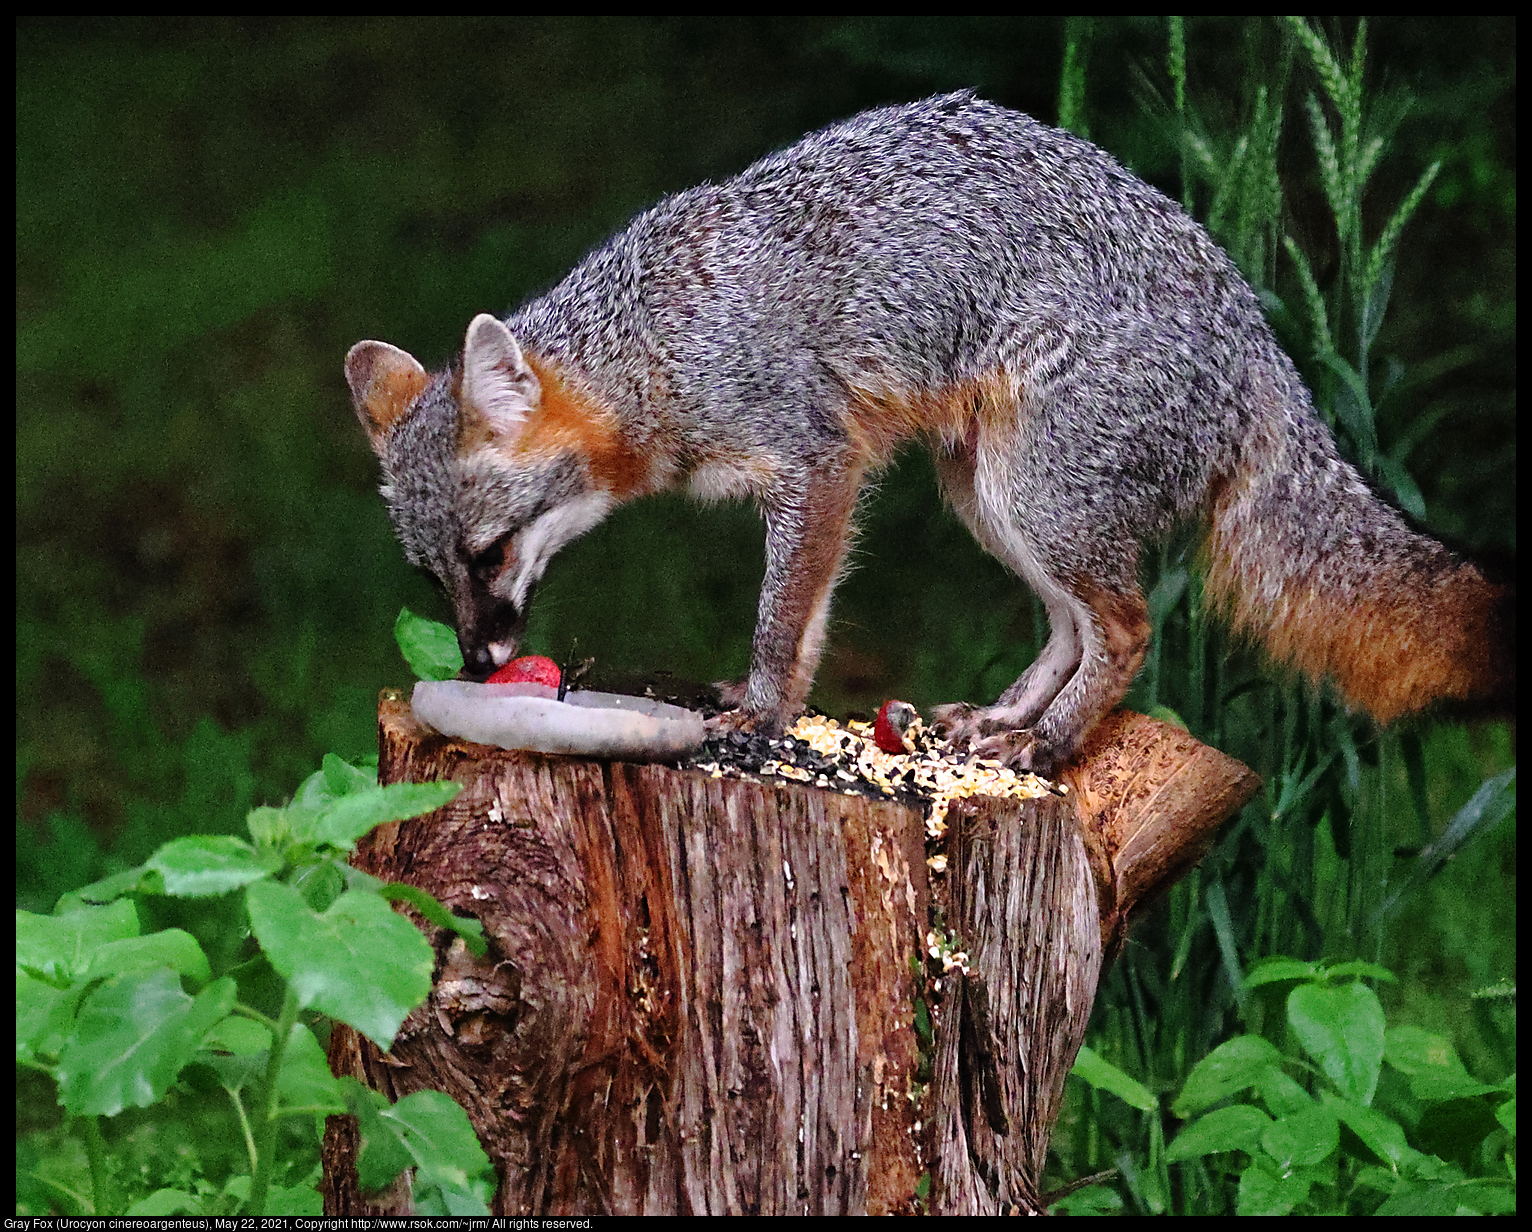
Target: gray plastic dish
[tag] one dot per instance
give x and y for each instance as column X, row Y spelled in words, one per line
column 587, row 724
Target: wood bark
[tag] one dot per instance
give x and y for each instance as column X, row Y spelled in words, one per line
column 700, row 995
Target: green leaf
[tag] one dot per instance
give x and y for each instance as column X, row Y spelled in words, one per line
column 358, row 962
column 207, row 864
column 58, row 947
column 167, row 1202
column 1435, row 1070
column 1342, row 1029
column 1414, row 1050
column 1235, row 1128
column 335, row 780
column 439, row 1137
column 171, row 947
column 1275, row 970
column 132, row 1037
column 1107, row 1077
column 320, row 884
column 1228, row 944
column 1402, row 484
column 306, row 1087
column 1358, row 969
column 1426, row 1198
column 1261, row 1192
column 345, row 821
column 1355, row 411
column 1092, row 1200
column 272, row 828
column 1380, row 1134
column 1167, row 593
column 314, row 792
column 235, row 1073
column 1491, row 804
column 1486, row 1196
column 236, row 1050
column 381, row 1155
column 341, row 778
column 428, row 646
column 1281, row 1094
column 1295, row 789
column 1302, row 1139
column 238, row 1035
column 104, row 891
column 1232, row 1067
column 1377, row 286
column 291, row 1200
column 471, row 931
column 43, row 1015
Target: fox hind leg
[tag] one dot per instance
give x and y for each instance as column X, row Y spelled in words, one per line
column 1115, row 641
column 1039, row 722
column 1098, row 634
column 1029, row 696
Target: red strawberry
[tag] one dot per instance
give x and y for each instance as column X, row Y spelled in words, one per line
column 894, row 719
column 529, row 669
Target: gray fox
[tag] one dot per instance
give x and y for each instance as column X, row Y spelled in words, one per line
column 1086, row 366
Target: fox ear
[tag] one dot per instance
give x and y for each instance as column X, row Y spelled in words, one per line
column 384, row 382
column 497, row 382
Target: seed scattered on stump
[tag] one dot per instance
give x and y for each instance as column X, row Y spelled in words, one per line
column 845, row 757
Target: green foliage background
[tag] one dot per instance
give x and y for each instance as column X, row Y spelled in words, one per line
column 209, row 213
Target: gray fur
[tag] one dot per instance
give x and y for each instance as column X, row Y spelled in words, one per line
column 734, row 331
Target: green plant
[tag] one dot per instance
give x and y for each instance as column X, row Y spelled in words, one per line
column 1345, row 854
column 428, row 646
column 1443, row 1144
column 122, row 1015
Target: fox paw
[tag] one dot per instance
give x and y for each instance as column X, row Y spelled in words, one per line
column 962, row 724
column 976, row 731
column 742, row 720
column 1020, row 750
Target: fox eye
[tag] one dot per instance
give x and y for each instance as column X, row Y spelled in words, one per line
column 486, row 564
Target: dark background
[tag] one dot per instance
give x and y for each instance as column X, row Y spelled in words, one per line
column 209, row 213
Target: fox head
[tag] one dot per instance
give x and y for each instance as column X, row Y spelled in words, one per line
column 486, row 473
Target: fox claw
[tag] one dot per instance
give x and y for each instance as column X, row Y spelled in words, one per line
column 1020, row 750
column 954, row 722
column 974, row 730
column 961, row 724
column 741, row 720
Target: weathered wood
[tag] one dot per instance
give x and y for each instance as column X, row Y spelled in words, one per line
column 1042, row 906
column 1023, row 902
column 1149, row 797
column 699, row 994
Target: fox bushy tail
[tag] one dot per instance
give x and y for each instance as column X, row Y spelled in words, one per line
column 1302, row 555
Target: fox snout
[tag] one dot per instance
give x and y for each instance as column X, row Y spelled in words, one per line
column 489, row 635
column 480, row 661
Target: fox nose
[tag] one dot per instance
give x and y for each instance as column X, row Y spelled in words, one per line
column 481, row 659
column 478, row 662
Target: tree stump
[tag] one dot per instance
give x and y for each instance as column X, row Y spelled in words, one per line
column 700, row 993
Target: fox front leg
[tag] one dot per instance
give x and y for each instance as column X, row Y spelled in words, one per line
column 808, row 529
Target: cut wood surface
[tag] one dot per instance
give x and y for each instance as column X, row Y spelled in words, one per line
column 1150, row 798
column 701, row 993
